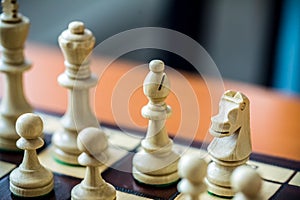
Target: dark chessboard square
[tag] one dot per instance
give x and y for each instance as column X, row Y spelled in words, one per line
column 121, row 177
column 62, row 189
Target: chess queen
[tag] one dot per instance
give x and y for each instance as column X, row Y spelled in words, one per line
column 76, row 44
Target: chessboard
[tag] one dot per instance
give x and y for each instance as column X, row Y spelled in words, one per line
column 281, row 177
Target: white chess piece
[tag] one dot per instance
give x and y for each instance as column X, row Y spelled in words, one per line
column 156, row 163
column 13, row 32
column 247, row 184
column 76, row 44
column 231, row 146
column 192, row 170
column 30, row 179
column 93, row 144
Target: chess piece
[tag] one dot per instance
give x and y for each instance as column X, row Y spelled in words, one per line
column 231, row 146
column 93, row 144
column 30, row 179
column 76, row 44
column 13, row 32
column 192, row 170
column 247, row 184
column 156, row 163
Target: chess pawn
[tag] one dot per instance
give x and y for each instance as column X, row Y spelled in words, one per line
column 14, row 29
column 76, row 44
column 247, row 184
column 93, row 144
column 156, row 163
column 30, row 179
column 192, row 170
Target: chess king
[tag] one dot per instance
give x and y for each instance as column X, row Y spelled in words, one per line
column 231, row 146
column 14, row 29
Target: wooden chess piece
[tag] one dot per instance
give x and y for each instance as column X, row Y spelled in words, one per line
column 247, row 184
column 192, row 170
column 231, row 146
column 156, row 163
column 93, row 144
column 76, row 44
column 13, row 32
column 30, row 179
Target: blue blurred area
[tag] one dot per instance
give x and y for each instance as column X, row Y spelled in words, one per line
column 287, row 68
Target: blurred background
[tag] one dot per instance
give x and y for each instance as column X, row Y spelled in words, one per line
column 253, row 41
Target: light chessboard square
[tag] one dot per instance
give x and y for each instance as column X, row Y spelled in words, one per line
column 126, row 196
column 124, row 140
column 271, row 172
column 183, row 150
column 5, row 168
column 266, row 171
column 295, row 180
column 47, row 160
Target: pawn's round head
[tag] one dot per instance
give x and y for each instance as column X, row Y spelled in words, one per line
column 92, row 141
column 29, row 126
column 246, row 180
column 192, row 167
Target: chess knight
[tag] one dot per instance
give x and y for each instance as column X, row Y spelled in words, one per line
column 231, row 146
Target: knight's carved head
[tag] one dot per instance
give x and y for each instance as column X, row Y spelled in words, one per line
column 233, row 113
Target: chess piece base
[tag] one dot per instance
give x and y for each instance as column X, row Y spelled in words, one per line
column 156, row 168
column 218, row 176
column 64, row 157
column 103, row 192
column 65, row 149
column 27, row 184
column 157, row 180
column 219, row 190
column 218, row 179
